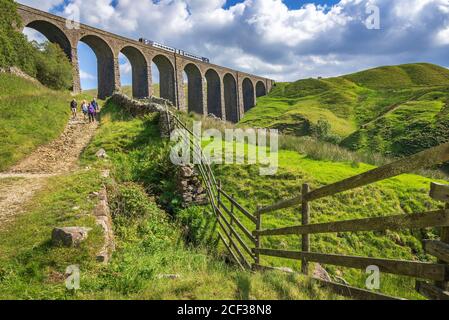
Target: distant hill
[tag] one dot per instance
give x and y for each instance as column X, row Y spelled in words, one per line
column 395, row 110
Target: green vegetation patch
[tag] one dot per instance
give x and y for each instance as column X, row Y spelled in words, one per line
column 359, row 109
column 30, row 266
column 30, row 115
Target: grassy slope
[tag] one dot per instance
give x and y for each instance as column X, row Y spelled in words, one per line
column 358, row 107
column 405, row 194
column 30, row 115
column 147, row 246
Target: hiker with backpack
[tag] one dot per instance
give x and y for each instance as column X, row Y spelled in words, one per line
column 96, row 107
column 85, row 108
column 91, row 112
column 73, row 107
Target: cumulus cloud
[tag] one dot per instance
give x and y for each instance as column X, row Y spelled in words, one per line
column 267, row 38
column 42, row 4
column 125, row 68
column 86, row 75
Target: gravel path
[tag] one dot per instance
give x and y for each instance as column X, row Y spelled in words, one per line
column 19, row 184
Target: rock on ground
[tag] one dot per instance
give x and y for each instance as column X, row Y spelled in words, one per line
column 69, row 236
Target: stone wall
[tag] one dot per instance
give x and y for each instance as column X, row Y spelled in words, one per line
column 19, row 73
column 103, row 218
column 190, row 187
column 138, row 108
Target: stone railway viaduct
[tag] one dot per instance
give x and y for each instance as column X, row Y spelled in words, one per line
column 212, row 89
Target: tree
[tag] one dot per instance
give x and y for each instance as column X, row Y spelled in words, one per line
column 14, row 47
column 53, row 67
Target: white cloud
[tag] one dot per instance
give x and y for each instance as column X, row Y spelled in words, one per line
column 42, row 4
column 125, row 68
column 266, row 38
column 33, row 35
column 86, row 76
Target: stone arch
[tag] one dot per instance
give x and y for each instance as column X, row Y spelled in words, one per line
column 230, row 95
column 105, row 64
column 167, row 78
column 195, row 88
column 213, row 93
column 248, row 94
column 260, row 89
column 53, row 33
column 139, row 65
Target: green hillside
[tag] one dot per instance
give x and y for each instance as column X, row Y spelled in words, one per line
column 395, row 110
column 30, row 115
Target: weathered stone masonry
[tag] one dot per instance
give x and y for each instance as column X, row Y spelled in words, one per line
column 213, row 89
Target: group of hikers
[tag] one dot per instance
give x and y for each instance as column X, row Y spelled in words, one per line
column 89, row 110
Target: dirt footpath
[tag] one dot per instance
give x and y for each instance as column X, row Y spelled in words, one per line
column 22, row 181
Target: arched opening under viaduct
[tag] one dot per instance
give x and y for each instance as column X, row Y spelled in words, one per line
column 213, row 93
column 137, row 64
column 260, row 89
column 230, row 93
column 105, row 65
column 194, row 89
column 166, row 79
column 248, row 94
column 53, row 34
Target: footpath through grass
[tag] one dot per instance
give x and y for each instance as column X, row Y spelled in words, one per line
column 152, row 245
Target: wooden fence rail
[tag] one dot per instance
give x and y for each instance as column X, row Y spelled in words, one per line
column 245, row 246
column 437, row 218
column 421, row 160
column 431, row 271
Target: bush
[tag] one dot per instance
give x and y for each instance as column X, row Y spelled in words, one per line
column 131, row 201
column 322, row 131
column 200, row 227
column 53, row 68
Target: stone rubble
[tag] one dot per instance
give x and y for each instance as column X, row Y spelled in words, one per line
column 69, row 236
column 190, row 187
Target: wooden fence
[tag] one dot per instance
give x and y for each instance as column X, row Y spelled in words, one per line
column 245, row 248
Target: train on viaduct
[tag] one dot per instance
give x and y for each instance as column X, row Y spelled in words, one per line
column 212, row 89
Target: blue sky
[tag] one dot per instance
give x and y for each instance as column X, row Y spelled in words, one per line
column 88, row 62
column 292, row 4
column 285, row 40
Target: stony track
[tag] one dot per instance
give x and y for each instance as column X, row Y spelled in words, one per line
column 20, row 183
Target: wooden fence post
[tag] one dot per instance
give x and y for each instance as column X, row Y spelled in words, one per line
column 305, row 209
column 439, row 291
column 219, row 193
column 257, row 238
column 444, row 285
column 232, row 212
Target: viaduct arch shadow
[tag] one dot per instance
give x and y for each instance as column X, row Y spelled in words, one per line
column 230, row 93
column 195, row 89
column 53, row 34
column 248, row 94
column 213, row 93
column 260, row 89
column 105, row 65
column 139, row 68
column 166, row 78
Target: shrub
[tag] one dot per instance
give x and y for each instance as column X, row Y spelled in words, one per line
column 131, row 201
column 200, row 227
column 322, row 131
column 53, row 68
